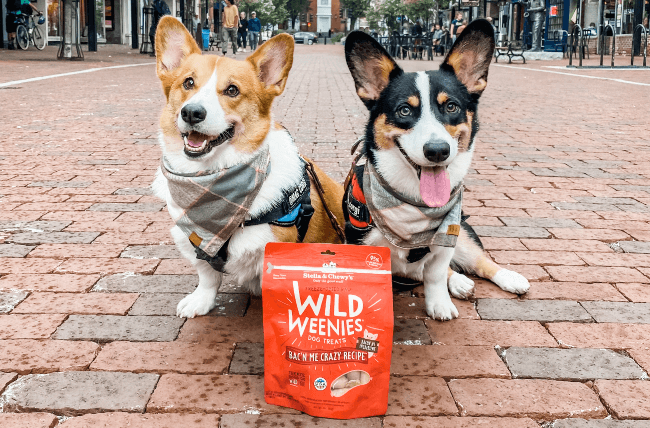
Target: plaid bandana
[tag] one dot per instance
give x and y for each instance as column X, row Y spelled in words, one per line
column 407, row 222
column 216, row 202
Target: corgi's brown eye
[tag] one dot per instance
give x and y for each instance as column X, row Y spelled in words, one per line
column 452, row 107
column 232, row 91
column 404, row 111
column 188, row 84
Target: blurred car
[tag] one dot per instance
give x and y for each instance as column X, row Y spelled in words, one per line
column 300, row 37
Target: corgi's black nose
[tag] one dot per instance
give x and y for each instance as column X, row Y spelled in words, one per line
column 193, row 114
column 436, row 152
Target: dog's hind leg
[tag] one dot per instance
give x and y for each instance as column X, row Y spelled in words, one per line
column 470, row 257
column 203, row 299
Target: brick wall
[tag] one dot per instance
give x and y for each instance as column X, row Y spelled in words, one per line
column 623, row 44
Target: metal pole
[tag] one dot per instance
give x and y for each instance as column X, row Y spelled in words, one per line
column 92, row 30
column 182, row 10
column 638, row 19
column 135, row 43
column 601, row 22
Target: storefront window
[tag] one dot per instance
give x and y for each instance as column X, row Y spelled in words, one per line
column 100, row 21
column 53, row 18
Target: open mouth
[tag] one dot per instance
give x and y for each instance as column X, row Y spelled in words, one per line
column 435, row 183
column 198, row 144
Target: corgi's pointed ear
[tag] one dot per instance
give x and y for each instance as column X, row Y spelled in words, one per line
column 273, row 59
column 470, row 57
column 173, row 44
column 371, row 66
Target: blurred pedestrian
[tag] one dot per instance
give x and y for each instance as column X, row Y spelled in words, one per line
column 254, row 28
column 242, row 32
column 160, row 9
column 230, row 21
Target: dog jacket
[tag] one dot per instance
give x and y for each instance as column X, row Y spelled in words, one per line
column 405, row 222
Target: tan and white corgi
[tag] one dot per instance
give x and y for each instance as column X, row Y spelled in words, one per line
column 419, row 142
column 232, row 178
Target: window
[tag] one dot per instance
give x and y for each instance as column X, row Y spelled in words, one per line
column 324, row 2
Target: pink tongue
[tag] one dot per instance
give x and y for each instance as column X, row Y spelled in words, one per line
column 435, row 187
column 194, row 143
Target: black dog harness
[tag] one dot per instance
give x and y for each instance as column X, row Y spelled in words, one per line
column 294, row 209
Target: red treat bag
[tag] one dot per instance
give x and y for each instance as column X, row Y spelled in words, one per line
column 328, row 328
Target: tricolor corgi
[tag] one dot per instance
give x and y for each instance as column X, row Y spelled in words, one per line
column 232, row 178
column 406, row 190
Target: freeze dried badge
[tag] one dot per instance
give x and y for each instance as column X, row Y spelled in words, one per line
column 366, row 343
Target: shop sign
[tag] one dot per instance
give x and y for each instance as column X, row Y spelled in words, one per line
column 553, row 11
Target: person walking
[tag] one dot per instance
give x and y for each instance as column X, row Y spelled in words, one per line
column 160, row 9
column 13, row 10
column 230, row 21
column 453, row 28
column 254, row 28
column 242, row 32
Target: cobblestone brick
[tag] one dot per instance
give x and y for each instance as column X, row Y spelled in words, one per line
column 105, row 328
column 303, row 421
column 134, row 191
column 410, row 332
column 539, row 222
column 413, row 307
column 456, row 422
column 447, row 361
column 222, row 330
column 610, row 335
column 570, row 364
column 536, row 257
column 76, row 250
column 33, row 226
column 107, row 265
column 566, row 245
column 52, row 282
column 76, row 393
column 595, row 274
column 599, row 423
column 248, row 359
column 9, row 299
column 15, row 250
column 537, row 399
column 635, row 247
column 131, row 283
column 27, row 356
column 532, row 310
column 28, row 420
column 178, row 393
column 422, row 396
column 624, row 312
column 53, row 237
column 126, row 207
column 626, row 399
column 573, row 291
column 29, row 326
column 164, row 357
column 68, row 303
column 489, row 333
column 151, row 252
column 227, row 305
column 512, row 232
column 147, row 420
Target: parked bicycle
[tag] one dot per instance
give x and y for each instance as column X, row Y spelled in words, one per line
column 27, row 31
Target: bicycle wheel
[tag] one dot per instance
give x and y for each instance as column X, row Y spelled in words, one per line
column 22, row 37
column 39, row 40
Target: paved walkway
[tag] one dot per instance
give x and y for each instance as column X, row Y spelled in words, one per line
column 560, row 192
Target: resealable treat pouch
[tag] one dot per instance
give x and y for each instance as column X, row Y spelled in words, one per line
column 328, row 328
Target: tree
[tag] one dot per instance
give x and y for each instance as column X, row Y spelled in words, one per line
column 421, row 9
column 390, row 11
column 271, row 12
column 295, row 8
column 356, row 9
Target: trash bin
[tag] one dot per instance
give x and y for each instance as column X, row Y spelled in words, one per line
column 206, row 39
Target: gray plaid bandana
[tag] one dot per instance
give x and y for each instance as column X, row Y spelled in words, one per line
column 215, row 202
column 407, row 222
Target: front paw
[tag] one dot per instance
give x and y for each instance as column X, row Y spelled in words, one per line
column 460, row 286
column 511, row 281
column 442, row 309
column 200, row 302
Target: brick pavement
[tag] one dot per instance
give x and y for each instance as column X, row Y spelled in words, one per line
column 559, row 191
